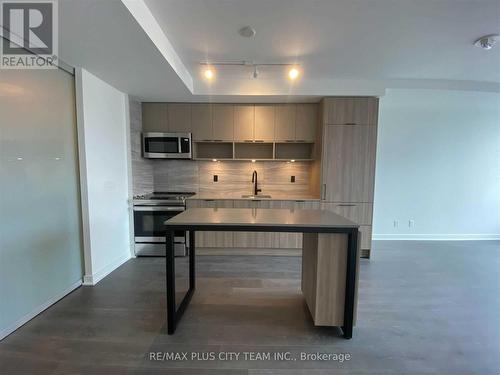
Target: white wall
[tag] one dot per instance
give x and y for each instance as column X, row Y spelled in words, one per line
column 103, row 132
column 438, row 163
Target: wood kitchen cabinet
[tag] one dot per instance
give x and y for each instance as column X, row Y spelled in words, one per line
column 212, row 239
column 349, row 163
column 254, row 239
column 264, row 122
column 351, row 111
column 244, row 119
column 293, row 240
column 155, row 117
column 201, row 122
column 306, row 122
column 223, row 122
column 285, row 122
column 360, row 213
column 349, row 139
column 179, row 117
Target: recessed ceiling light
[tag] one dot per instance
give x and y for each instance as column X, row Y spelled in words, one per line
column 247, row 32
column 293, row 73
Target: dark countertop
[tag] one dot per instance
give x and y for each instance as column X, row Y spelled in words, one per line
column 248, row 217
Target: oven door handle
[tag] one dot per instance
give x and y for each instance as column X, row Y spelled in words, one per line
column 158, row 208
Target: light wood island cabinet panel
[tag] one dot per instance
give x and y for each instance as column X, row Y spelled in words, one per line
column 179, row 117
column 201, row 122
column 285, row 122
column 351, row 111
column 155, row 117
column 264, row 122
column 306, row 122
column 349, row 163
column 244, row 119
column 324, row 263
column 223, row 122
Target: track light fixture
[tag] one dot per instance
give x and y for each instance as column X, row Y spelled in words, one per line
column 293, row 69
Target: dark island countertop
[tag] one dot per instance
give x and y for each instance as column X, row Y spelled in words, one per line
column 268, row 217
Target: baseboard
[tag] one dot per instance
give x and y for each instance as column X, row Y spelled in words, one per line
column 436, row 237
column 26, row 318
column 91, row 280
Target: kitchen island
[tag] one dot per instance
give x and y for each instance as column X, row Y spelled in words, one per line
column 330, row 257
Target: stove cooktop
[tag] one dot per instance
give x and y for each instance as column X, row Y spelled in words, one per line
column 165, row 195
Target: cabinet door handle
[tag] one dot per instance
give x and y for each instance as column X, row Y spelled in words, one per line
column 217, row 140
column 208, row 200
column 289, row 140
column 259, row 140
column 247, row 140
column 350, row 123
column 346, row 205
column 323, row 196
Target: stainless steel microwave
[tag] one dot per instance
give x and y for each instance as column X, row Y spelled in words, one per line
column 166, row 145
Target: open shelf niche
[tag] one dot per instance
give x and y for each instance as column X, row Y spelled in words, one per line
column 294, row 151
column 213, row 150
column 263, row 151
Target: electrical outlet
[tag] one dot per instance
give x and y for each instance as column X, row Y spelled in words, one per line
column 396, row 223
column 411, row 223
column 216, row 178
column 292, row 179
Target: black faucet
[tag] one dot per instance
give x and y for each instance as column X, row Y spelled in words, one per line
column 254, row 181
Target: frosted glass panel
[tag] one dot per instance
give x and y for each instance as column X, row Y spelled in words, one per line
column 40, row 239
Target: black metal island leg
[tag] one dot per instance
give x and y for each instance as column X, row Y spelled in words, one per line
column 350, row 284
column 170, row 272
column 174, row 315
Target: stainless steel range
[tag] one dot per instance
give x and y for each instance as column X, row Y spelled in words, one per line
column 150, row 212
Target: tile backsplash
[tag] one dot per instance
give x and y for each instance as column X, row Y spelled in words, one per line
column 142, row 169
column 233, row 176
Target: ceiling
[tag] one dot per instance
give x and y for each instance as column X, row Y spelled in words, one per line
column 344, row 47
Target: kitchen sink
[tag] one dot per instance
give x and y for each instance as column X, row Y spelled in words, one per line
column 256, row 196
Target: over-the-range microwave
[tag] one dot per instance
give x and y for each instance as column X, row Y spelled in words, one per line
column 166, row 145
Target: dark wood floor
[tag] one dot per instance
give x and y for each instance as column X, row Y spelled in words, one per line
column 424, row 308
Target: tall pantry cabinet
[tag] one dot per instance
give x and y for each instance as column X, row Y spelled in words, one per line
column 349, row 139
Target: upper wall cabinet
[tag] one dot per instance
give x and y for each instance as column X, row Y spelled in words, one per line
column 223, row 122
column 306, row 122
column 234, row 122
column 155, row 117
column 244, row 118
column 351, row 111
column 264, row 122
column 285, row 122
column 179, row 117
column 166, row 117
column 201, row 122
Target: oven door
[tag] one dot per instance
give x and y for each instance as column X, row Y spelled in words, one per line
column 148, row 223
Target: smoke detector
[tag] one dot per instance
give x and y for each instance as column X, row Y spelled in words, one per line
column 487, row 41
column 247, row 32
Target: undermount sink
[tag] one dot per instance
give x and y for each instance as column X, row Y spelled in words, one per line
column 256, row 196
